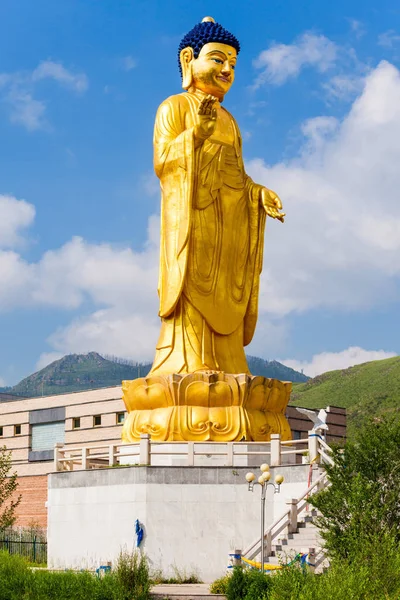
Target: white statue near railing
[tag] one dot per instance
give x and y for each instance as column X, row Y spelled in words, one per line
column 319, row 419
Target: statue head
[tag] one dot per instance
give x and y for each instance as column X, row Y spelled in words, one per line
column 207, row 58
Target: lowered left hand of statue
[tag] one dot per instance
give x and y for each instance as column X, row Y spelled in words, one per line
column 272, row 204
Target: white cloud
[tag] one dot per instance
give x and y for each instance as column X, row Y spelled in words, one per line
column 15, row 215
column 388, row 39
column 126, row 333
column 79, row 271
column 332, row 361
column 358, row 28
column 18, row 92
column 340, row 244
column 344, row 86
column 151, row 184
column 49, row 69
column 128, row 63
column 2, row 382
column 121, row 283
column 26, row 111
column 283, row 61
column 339, row 247
column 47, row 358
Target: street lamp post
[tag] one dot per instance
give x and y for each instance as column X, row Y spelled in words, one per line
column 263, row 480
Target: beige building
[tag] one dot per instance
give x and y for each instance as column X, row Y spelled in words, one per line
column 30, row 428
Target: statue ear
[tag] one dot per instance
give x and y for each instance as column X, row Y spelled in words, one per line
column 186, row 58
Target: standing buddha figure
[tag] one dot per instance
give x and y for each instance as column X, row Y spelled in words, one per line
column 212, row 216
column 212, row 237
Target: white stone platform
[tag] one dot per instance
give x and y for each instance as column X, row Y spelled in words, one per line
column 192, row 517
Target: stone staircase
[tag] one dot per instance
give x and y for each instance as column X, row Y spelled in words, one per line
column 294, row 530
column 307, row 537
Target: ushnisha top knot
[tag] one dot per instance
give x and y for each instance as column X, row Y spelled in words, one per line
column 203, row 33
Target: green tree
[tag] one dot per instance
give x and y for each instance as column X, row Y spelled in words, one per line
column 8, row 487
column 362, row 503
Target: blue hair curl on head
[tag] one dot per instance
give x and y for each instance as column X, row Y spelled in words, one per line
column 203, row 33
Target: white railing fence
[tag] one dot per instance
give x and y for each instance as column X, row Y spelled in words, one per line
column 231, row 454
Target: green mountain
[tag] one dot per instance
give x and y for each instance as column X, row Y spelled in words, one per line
column 274, row 369
column 77, row 372
column 371, row 388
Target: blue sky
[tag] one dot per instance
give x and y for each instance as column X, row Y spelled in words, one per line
column 317, row 97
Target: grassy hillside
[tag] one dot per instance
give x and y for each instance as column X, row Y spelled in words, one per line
column 372, row 388
column 77, row 372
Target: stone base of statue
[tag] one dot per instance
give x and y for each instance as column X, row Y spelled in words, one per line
column 206, row 406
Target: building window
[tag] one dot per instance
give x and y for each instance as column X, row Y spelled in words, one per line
column 296, row 435
column 17, row 429
column 44, row 436
column 120, row 418
column 76, row 423
column 96, row 420
column 1, row 432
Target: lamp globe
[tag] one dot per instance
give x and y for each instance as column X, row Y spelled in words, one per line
column 264, row 467
column 279, row 479
column 250, row 477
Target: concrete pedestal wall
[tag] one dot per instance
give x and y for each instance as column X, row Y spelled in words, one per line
column 193, row 517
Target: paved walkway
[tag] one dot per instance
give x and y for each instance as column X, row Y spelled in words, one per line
column 195, row 591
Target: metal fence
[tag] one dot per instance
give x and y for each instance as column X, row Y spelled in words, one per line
column 30, row 545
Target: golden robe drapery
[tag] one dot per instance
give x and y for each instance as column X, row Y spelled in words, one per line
column 212, row 236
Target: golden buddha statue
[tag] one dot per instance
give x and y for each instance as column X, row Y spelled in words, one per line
column 212, row 238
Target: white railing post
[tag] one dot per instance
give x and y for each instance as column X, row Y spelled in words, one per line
column 229, row 454
column 313, row 447
column 237, row 557
column 144, row 449
column 321, row 484
column 275, row 450
column 85, row 457
column 111, row 456
column 311, row 559
column 267, row 543
column 292, row 505
column 190, row 454
column 58, row 466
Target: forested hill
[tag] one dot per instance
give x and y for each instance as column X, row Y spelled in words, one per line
column 77, row 372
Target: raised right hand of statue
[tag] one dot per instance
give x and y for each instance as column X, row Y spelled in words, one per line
column 206, row 118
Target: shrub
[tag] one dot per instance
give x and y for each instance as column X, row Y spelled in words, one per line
column 132, row 575
column 363, row 500
column 245, row 584
column 258, row 585
column 63, row 585
column 219, row 586
column 8, row 486
column 236, row 588
column 15, row 577
column 290, row 583
column 180, row 576
column 129, row 581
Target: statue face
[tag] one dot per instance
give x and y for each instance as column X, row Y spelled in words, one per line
column 214, row 69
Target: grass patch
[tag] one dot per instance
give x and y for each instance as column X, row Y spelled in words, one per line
column 128, row 581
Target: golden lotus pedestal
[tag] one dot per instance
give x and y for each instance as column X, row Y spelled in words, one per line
column 206, row 406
